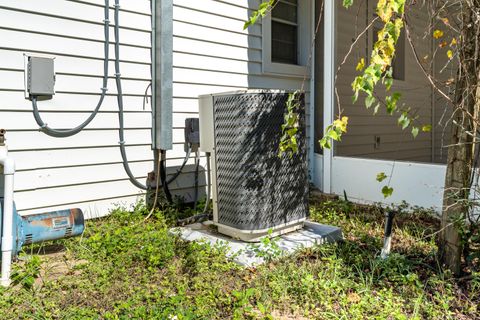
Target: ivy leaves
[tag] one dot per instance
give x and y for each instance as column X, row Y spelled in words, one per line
column 438, row 34
column 381, row 176
column 288, row 142
column 380, row 68
column 262, row 11
column 347, row 3
column 386, row 190
column 334, row 132
column 382, row 55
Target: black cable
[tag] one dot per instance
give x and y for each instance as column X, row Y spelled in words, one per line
column 179, row 171
column 197, row 165
column 64, row 133
column 163, row 177
column 204, row 216
column 194, row 219
column 157, row 174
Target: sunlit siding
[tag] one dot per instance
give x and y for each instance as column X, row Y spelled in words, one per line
column 212, row 53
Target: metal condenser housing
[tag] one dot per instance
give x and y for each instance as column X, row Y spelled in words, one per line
column 255, row 191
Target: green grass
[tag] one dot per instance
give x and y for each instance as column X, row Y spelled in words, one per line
column 127, row 268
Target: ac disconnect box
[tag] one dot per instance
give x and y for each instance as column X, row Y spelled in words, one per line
column 40, row 76
column 254, row 190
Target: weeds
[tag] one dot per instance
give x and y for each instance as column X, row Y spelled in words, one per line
column 268, row 248
column 127, row 268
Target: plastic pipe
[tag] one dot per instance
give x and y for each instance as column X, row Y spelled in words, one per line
column 7, row 235
column 387, row 241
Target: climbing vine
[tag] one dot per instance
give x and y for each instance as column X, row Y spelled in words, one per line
column 459, row 21
column 288, row 141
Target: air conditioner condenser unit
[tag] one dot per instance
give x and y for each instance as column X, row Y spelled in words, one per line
column 255, row 191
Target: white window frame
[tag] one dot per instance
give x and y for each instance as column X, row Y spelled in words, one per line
column 303, row 44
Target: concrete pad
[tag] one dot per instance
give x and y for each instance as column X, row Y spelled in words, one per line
column 244, row 254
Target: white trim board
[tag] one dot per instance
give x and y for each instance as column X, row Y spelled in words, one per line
column 419, row 184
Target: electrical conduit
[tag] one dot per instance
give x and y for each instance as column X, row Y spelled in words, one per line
column 64, row 133
column 121, row 131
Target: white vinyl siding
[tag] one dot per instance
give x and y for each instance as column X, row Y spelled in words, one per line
column 226, row 58
column 212, row 53
column 85, row 170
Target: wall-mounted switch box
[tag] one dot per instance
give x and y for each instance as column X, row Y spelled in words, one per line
column 40, row 77
column 192, row 133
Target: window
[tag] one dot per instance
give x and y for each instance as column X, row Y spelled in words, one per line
column 286, row 38
column 285, row 32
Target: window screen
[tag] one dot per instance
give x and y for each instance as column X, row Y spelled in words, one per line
column 285, row 32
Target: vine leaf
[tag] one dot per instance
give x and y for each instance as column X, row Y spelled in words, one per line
column 415, row 131
column 347, row 3
column 288, row 141
column 361, row 65
column 334, row 132
column 427, row 128
column 437, row 34
column 262, row 11
column 381, row 176
column 387, row 191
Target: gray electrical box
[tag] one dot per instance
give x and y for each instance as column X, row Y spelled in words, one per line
column 192, row 134
column 40, row 77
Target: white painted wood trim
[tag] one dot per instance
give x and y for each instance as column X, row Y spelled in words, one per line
column 318, row 174
column 419, row 184
column 329, row 87
column 311, row 119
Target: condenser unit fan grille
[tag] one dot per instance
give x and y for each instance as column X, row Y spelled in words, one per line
column 257, row 189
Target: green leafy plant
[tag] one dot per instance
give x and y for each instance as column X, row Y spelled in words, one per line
column 390, row 12
column 108, row 279
column 261, row 12
column 268, row 248
column 242, row 304
column 334, row 132
column 288, row 141
column 26, row 274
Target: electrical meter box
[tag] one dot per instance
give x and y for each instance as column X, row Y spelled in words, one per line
column 255, row 191
column 40, row 78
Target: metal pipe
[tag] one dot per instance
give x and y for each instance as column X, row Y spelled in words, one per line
column 153, row 99
column 387, row 241
column 163, row 74
column 7, row 233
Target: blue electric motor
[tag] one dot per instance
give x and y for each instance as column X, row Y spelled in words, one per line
column 44, row 226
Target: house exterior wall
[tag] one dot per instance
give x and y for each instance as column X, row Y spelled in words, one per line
column 395, row 144
column 211, row 53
